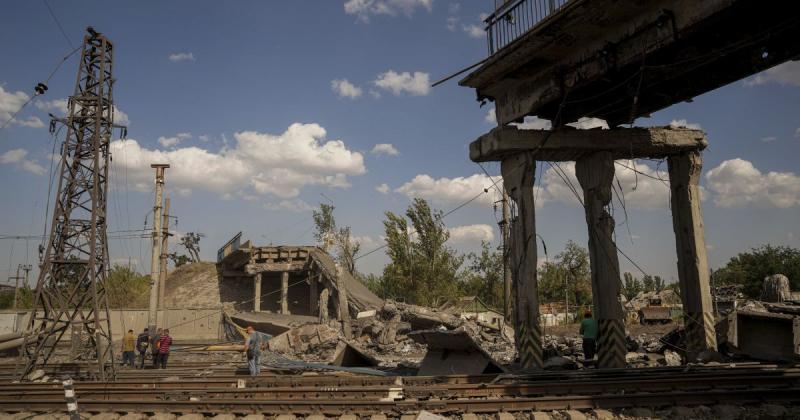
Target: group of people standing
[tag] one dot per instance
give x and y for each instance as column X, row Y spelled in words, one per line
column 157, row 345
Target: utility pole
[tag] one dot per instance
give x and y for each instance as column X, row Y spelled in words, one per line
column 162, row 277
column 16, row 279
column 155, row 270
column 505, row 227
column 70, row 291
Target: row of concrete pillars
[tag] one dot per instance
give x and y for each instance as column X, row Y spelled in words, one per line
column 595, row 173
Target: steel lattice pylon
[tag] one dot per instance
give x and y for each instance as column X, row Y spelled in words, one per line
column 70, row 291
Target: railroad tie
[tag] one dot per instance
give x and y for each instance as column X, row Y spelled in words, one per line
column 611, row 347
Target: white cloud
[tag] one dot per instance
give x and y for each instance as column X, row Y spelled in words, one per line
column 471, row 233
column 474, row 31
column 365, row 241
column 491, row 116
column 258, row 163
column 417, row 84
column 11, row 102
column 363, row 9
column 787, row 73
column 385, row 149
column 449, row 190
column 797, row 133
column 589, row 123
column 644, row 188
column 18, row 157
column 682, row 123
column 174, row 140
column 768, row 139
column 345, row 89
column 294, row 205
column 737, row 182
column 181, row 56
column 534, row 123
column 60, row 105
column 383, row 188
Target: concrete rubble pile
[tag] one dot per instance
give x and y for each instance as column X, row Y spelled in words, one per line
column 387, row 336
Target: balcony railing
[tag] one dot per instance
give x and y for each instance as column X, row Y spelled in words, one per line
column 515, row 18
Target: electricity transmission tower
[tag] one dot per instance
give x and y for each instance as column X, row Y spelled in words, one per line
column 70, row 291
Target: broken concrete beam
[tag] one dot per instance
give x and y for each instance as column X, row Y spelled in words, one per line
column 776, row 289
column 453, row 353
column 300, row 338
column 423, row 318
column 349, row 355
column 767, row 336
column 568, row 144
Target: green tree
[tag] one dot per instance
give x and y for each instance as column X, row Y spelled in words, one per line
column 568, row 274
column 749, row 268
column 325, row 226
column 423, row 270
column 631, row 286
column 484, row 275
column 658, row 284
column 126, row 288
column 328, row 235
column 179, row 259
column 191, row 241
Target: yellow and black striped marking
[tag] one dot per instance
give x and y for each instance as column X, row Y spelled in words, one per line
column 611, row 347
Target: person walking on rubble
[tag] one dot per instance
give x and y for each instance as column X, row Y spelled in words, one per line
column 154, row 343
column 163, row 348
column 252, row 347
column 142, row 344
column 128, row 346
column 589, row 333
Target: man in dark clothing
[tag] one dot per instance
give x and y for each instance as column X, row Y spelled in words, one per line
column 154, row 343
column 589, row 334
column 142, row 344
column 163, row 348
column 252, row 348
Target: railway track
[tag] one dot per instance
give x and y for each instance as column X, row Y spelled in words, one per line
column 365, row 395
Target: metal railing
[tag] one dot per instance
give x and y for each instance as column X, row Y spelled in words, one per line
column 515, row 18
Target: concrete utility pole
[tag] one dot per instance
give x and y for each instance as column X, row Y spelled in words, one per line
column 155, row 270
column 162, row 274
column 507, row 278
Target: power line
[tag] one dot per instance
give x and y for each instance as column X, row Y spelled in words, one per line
column 60, row 28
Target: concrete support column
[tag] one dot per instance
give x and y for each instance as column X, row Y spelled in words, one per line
column 343, row 307
column 595, row 174
column 285, row 292
column 257, row 293
column 687, row 221
column 518, row 177
column 313, row 295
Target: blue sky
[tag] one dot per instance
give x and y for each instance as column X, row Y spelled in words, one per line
column 263, row 107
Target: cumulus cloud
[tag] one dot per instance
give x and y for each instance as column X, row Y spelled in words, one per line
column 417, row 84
column 588, row 123
column 474, row 31
column 385, row 149
column 11, row 102
column 364, row 9
column 682, row 123
column 471, row 233
column 449, row 190
column 452, row 23
column 797, row 133
column 491, row 116
column 768, row 139
column 258, row 163
column 787, row 73
column 737, row 182
column 18, row 158
column 174, row 140
column 365, row 241
column 383, row 188
column 181, row 56
column 345, row 89
column 534, row 123
column 294, row 205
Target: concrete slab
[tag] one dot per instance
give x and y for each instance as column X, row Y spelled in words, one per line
column 349, row 355
column 453, row 352
column 574, row 415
